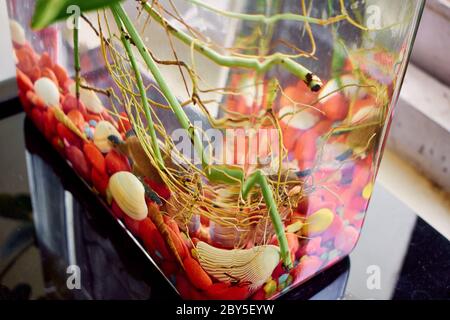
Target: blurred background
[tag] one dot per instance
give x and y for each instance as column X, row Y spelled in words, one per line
column 413, row 183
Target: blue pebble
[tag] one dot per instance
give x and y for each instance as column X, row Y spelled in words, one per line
column 92, row 123
column 283, row 278
column 158, row 254
column 89, row 133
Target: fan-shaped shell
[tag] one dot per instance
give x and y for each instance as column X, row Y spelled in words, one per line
column 253, row 265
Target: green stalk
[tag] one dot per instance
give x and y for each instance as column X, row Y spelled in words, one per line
column 311, row 80
column 259, row 178
column 142, row 92
column 268, row 20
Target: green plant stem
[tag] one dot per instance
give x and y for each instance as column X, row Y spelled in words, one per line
column 142, row 92
column 268, row 20
column 311, row 80
column 223, row 174
column 260, row 179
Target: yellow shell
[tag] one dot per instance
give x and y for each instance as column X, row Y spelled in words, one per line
column 318, row 222
column 129, row 194
column 102, row 131
column 254, row 265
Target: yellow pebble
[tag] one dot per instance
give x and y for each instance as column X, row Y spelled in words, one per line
column 270, row 287
column 318, row 222
column 367, row 191
column 294, row 227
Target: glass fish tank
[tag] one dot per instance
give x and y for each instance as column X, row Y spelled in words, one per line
column 237, row 141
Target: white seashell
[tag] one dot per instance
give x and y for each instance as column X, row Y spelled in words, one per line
column 102, row 131
column 364, row 114
column 17, row 32
column 299, row 119
column 350, row 92
column 129, row 194
column 47, row 90
column 89, row 98
column 253, row 265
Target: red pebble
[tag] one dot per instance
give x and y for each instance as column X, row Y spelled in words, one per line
column 183, row 286
column 35, row 100
column 307, row 267
column 78, row 161
column 313, row 247
column 48, row 73
column 132, row 225
column 171, row 223
column 305, row 148
column 169, row 267
column 90, row 116
column 45, row 61
column 278, row 271
column 69, row 103
column 27, row 60
column 38, row 118
column 335, row 107
column 160, row 189
column 198, row 277
column 116, row 162
column 116, row 211
column 26, row 104
column 333, row 229
column 259, row 295
column 67, row 135
column 223, row 291
column 61, row 74
column 35, row 73
column 99, row 180
column 23, row 82
column 50, row 123
column 179, row 244
column 77, row 118
column 58, row 145
column 153, row 241
column 95, row 157
column 346, row 239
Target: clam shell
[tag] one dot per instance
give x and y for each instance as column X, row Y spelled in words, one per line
column 17, row 32
column 102, row 131
column 129, row 194
column 89, row 98
column 47, row 90
column 253, row 265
